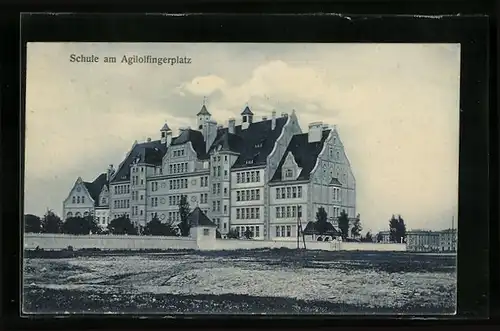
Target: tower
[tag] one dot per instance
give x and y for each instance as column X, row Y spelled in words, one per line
column 203, row 116
column 246, row 118
column 166, row 135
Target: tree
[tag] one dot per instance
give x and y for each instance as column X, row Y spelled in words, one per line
column 233, row 234
column 247, row 234
column 356, row 227
column 184, row 225
column 80, row 225
column 32, row 224
column 343, row 222
column 368, row 237
column 401, row 229
column 321, row 221
column 397, row 229
column 51, row 223
column 122, row 225
column 156, row 228
column 379, row 237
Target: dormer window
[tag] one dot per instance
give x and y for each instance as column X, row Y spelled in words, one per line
column 249, row 162
column 259, row 145
column 288, row 173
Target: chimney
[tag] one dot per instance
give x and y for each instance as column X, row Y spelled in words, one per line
column 148, row 140
column 209, row 133
column 168, row 141
column 231, row 125
column 110, row 172
column 273, row 120
column 315, row 132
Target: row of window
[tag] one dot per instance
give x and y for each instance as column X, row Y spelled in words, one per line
column 123, row 203
column 176, row 184
column 78, row 199
column 178, row 168
column 154, row 202
column 216, row 188
column 127, row 215
column 135, row 169
column 216, row 206
column 174, row 200
column 218, row 159
column 204, row 181
column 77, row 214
column 102, row 220
column 135, row 195
column 336, row 194
column 122, row 189
column 254, row 231
column 291, row 192
column 218, row 221
column 248, row 177
column 135, row 181
column 248, row 195
column 178, row 153
column 135, row 211
column 285, row 231
column 204, row 198
column 288, row 211
column 248, row 213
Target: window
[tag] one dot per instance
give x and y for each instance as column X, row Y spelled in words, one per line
column 225, row 173
column 77, row 199
column 278, row 231
column 288, row 211
column 225, row 158
column 257, row 194
column 299, row 192
column 283, row 231
column 225, row 190
column 213, row 206
column 288, row 173
column 338, row 155
column 288, row 192
column 218, row 188
column 257, row 213
column 277, row 193
column 294, row 192
column 206, row 232
column 225, row 209
column 257, row 231
column 288, row 231
column 278, row 215
column 257, row 176
column 214, row 188
column 238, row 213
column 238, row 178
column 73, row 200
column 218, row 205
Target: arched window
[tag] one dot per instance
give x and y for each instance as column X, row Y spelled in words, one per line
column 77, row 199
column 77, row 214
column 69, row 214
column 73, row 200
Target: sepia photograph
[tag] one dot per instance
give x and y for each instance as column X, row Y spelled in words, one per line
column 241, row 178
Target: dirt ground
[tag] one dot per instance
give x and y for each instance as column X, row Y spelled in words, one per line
column 279, row 281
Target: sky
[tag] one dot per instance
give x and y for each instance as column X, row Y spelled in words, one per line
column 396, row 108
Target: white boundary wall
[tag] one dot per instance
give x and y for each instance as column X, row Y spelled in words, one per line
column 109, row 242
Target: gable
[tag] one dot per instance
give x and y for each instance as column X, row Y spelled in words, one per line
column 79, row 192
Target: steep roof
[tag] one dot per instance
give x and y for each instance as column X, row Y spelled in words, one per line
column 165, row 127
column 198, row 218
column 203, row 111
column 96, row 186
column 246, row 111
column 150, row 152
column 312, row 228
column 228, row 142
column 305, row 154
column 256, row 142
column 196, row 139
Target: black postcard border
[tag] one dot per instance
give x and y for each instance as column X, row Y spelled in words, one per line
column 474, row 196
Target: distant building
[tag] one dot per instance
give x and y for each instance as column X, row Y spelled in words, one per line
column 383, row 237
column 261, row 176
column 422, row 241
column 448, row 240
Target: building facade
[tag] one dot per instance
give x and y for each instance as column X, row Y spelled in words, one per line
column 422, row 241
column 265, row 176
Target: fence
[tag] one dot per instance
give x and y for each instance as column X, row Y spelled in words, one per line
column 110, row 242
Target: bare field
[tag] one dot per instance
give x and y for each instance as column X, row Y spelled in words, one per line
column 261, row 281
